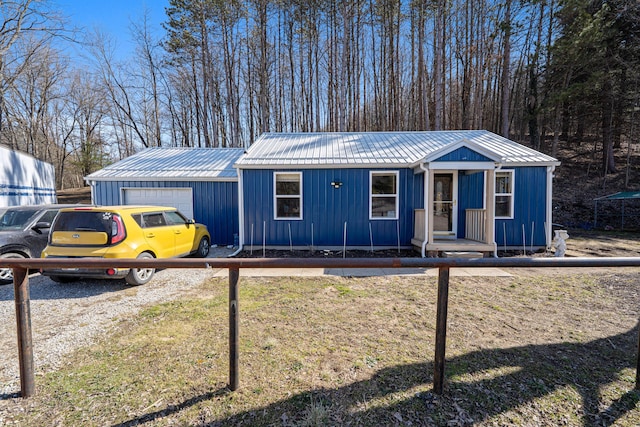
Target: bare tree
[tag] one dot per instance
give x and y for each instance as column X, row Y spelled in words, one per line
column 147, row 52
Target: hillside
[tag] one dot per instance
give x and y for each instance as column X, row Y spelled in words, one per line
column 578, row 181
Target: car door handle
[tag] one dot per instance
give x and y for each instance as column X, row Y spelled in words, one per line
column 151, row 235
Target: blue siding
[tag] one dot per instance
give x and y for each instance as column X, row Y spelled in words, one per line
column 529, row 210
column 326, row 209
column 215, row 204
column 463, row 154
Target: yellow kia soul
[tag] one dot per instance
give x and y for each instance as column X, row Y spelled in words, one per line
column 122, row 232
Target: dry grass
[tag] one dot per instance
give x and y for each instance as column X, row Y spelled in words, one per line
column 526, row 351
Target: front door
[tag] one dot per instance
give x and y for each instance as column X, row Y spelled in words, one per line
column 445, row 190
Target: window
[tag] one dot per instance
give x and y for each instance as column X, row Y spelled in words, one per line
column 154, row 220
column 504, row 194
column 48, row 216
column 288, row 195
column 175, row 218
column 138, row 219
column 383, row 197
column 83, row 221
column 15, row 219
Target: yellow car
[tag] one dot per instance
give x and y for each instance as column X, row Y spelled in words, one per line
column 122, row 232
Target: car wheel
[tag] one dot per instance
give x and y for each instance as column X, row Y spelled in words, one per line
column 6, row 274
column 140, row 276
column 203, row 248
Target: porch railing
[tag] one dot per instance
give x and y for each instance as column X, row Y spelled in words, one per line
column 475, row 225
column 419, row 224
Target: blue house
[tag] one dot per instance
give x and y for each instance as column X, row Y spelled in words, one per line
column 436, row 191
column 200, row 182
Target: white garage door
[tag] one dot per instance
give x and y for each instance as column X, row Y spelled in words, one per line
column 180, row 198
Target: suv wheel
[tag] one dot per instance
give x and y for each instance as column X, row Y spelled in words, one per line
column 140, row 276
column 6, row 274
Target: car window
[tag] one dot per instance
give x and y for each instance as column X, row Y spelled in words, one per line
column 16, row 219
column 154, row 220
column 137, row 218
column 48, row 216
column 174, row 217
column 83, row 221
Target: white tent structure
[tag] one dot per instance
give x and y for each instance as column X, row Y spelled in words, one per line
column 25, row 180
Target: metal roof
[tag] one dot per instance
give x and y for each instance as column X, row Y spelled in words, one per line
column 173, row 164
column 379, row 149
column 623, row 195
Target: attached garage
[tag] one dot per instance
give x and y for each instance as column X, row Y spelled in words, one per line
column 200, row 182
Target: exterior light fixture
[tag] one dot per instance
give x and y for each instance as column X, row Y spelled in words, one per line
column 336, row 184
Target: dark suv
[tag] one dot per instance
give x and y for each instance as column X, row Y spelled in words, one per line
column 23, row 233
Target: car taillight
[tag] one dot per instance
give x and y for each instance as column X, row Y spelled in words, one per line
column 117, row 230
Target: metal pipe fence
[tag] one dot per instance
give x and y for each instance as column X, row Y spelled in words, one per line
column 21, row 268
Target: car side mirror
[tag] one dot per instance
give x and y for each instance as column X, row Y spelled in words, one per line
column 41, row 225
column 191, row 221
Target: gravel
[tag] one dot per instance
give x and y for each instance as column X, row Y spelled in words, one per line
column 65, row 317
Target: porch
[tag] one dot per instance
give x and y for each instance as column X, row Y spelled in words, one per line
column 475, row 238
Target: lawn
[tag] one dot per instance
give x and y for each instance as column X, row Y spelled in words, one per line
column 528, row 350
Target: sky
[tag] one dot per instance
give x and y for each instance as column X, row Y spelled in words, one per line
column 113, row 17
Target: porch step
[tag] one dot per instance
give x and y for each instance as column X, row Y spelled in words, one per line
column 464, row 254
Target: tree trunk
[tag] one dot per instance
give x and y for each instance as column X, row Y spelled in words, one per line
column 506, row 67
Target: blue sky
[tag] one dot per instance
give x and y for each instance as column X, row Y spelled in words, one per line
column 113, row 17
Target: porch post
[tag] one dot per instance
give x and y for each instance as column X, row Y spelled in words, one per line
column 549, row 208
column 428, row 214
column 490, row 207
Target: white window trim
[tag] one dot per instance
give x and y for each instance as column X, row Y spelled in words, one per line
column 371, row 195
column 512, row 194
column 276, row 197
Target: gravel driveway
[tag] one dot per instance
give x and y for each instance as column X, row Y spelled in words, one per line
column 67, row 316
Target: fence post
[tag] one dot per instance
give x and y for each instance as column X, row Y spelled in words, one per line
column 441, row 329
column 23, row 319
column 234, row 276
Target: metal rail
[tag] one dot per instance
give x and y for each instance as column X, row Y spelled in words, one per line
column 23, row 314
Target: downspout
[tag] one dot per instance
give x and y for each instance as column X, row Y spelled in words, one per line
column 423, row 250
column 240, row 215
column 92, row 185
column 549, row 228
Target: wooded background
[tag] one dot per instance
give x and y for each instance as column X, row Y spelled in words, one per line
column 547, row 73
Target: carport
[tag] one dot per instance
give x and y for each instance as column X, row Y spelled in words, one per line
column 619, row 199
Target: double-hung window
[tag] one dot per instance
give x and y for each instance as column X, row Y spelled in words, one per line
column 383, row 195
column 288, row 195
column 504, row 194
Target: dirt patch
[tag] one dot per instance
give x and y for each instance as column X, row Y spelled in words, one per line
column 603, row 244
